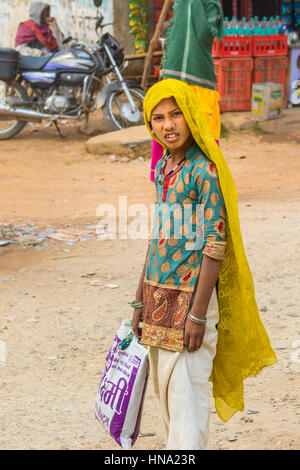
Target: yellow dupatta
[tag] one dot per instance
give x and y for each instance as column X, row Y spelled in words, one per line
column 243, row 347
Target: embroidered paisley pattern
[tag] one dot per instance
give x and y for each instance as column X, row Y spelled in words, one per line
column 160, row 311
column 164, row 314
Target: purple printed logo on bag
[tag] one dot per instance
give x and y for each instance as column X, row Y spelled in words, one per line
column 121, row 391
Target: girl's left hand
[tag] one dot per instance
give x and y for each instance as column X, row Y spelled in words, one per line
column 193, row 335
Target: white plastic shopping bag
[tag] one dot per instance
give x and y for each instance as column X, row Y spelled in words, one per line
column 122, row 388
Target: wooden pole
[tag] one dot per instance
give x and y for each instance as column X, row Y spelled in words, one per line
column 153, row 43
column 151, row 19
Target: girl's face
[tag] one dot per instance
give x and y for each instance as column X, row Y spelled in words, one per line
column 169, row 125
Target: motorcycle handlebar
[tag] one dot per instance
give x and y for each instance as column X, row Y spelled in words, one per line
column 99, row 23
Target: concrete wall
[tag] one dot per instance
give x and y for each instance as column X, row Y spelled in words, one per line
column 76, row 18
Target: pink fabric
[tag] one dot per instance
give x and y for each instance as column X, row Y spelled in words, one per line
column 157, row 153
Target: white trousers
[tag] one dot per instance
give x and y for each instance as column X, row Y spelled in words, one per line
column 181, row 382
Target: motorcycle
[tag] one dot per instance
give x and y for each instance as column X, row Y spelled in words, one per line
column 68, row 84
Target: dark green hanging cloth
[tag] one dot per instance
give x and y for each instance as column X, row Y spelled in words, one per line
column 187, row 57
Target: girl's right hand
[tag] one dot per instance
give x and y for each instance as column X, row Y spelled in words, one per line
column 136, row 319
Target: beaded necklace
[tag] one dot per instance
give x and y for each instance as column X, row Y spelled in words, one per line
column 161, row 176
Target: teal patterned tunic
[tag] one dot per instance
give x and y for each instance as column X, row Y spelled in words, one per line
column 189, row 221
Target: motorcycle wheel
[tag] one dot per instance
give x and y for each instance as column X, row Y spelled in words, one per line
column 9, row 128
column 117, row 109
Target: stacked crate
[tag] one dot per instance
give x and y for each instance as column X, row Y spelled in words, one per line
column 233, row 67
column 271, row 61
column 241, row 61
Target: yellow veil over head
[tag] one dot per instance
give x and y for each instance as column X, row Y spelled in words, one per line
column 243, row 347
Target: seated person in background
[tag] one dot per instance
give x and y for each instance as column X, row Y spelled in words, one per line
column 40, row 35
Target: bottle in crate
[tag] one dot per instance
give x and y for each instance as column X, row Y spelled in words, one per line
column 251, row 27
column 256, row 29
column 276, row 25
column 242, row 27
column 269, row 32
column 226, row 27
column 234, row 27
column 270, row 26
column 263, row 26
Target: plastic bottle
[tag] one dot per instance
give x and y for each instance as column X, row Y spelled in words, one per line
column 270, row 26
column 242, row 26
column 276, row 24
column 226, row 26
column 256, row 30
column 251, row 27
column 263, row 26
column 234, row 27
column 263, row 30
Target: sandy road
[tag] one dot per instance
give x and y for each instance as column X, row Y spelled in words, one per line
column 59, row 311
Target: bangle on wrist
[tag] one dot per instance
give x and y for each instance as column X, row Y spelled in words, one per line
column 199, row 321
column 135, row 304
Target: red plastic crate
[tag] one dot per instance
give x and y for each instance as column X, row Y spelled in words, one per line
column 270, row 45
column 234, row 83
column 231, row 46
column 271, row 69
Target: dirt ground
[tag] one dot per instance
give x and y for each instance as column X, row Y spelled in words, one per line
column 62, row 300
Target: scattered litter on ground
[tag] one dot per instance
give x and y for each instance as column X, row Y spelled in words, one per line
column 147, row 434
column 90, row 274
column 5, row 242
column 28, row 235
column 63, row 236
column 139, row 160
column 231, row 438
column 96, row 282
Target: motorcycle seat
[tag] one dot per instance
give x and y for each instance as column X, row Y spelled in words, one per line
column 28, row 62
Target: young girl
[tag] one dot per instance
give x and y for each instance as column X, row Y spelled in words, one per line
column 196, row 276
